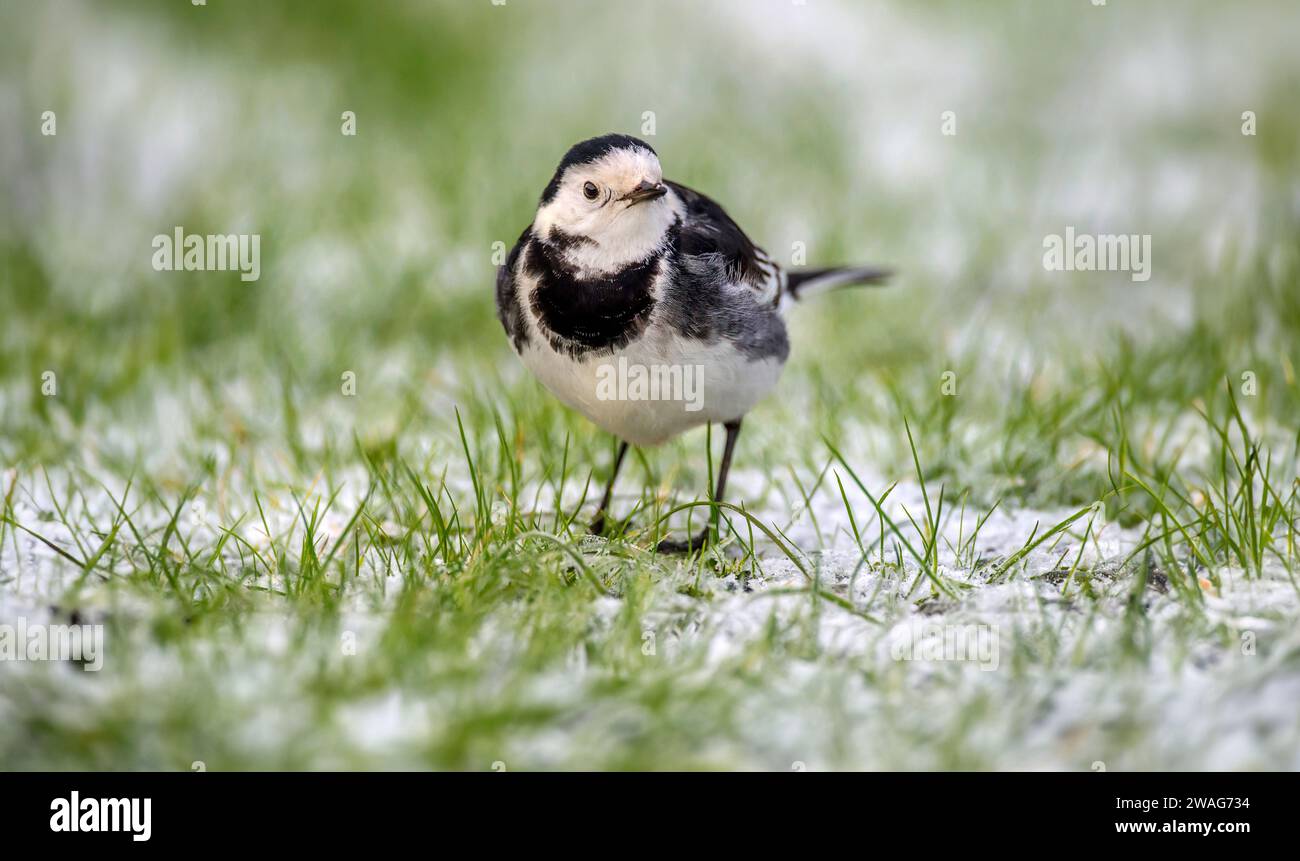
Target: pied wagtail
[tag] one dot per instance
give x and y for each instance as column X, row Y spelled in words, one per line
column 622, row 268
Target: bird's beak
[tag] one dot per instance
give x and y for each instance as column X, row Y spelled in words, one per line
column 645, row 191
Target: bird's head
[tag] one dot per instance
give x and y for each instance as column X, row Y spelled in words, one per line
column 607, row 203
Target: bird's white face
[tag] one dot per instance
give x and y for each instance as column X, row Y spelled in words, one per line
column 617, row 208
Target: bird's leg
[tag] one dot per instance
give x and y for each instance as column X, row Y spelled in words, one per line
column 697, row 541
column 598, row 522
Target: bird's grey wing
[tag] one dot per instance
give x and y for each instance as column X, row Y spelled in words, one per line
column 710, row 239
column 509, row 311
column 724, row 286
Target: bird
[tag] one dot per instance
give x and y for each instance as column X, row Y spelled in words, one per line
column 623, row 274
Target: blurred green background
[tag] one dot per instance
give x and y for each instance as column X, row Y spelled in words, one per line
column 817, row 123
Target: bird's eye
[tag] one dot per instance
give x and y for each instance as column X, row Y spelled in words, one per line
column 590, row 191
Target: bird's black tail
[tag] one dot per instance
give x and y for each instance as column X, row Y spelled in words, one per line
column 803, row 283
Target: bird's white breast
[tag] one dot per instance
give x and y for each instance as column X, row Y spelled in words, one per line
column 701, row 381
column 718, row 383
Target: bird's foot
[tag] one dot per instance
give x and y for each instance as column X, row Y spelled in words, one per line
column 601, row 523
column 694, row 543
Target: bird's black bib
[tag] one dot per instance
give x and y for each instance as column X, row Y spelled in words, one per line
column 580, row 315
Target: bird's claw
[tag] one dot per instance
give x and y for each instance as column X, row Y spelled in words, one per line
column 600, row 523
column 694, row 543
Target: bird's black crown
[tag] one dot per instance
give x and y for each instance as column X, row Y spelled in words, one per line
column 588, row 151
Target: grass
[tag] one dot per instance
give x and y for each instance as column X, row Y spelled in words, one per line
column 293, row 577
